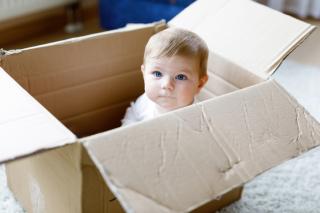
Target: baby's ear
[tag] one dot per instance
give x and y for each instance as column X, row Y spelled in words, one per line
column 202, row 81
column 142, row 68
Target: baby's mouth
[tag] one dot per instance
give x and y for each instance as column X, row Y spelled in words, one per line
column 166, row 96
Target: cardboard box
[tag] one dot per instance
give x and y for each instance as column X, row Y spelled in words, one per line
column 193, row 159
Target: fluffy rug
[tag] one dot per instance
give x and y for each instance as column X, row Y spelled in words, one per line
column 291, row 187
column 8, row 204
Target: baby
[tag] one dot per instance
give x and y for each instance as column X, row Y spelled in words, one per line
column 174, row 71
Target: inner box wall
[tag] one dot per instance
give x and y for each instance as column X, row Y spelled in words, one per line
column 87, row 84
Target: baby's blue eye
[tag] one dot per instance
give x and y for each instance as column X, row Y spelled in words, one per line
column 157, row 74
column 181, row 77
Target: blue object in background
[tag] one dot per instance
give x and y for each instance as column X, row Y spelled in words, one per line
column 117, row 13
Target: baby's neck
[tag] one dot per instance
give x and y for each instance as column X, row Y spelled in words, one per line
column 161, row 110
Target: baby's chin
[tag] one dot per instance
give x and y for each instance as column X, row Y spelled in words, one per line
column 166, row 104
column 166, row 107
column 170, row 104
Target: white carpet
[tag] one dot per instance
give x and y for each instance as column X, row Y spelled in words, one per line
column 7, row 202
column 291, row 187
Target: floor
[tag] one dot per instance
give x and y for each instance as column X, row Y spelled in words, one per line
column 89, row 26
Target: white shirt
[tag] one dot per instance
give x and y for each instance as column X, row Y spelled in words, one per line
column 143, row 108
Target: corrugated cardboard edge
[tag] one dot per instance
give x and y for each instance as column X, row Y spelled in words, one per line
column 299, row 74
column 290, row 49
column 159, row 25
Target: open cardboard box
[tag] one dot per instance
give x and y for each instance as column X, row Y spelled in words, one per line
column 193, row 159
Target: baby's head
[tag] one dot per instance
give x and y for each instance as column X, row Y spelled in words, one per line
column 174, row 68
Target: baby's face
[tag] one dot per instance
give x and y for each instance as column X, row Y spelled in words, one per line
column 172, row 82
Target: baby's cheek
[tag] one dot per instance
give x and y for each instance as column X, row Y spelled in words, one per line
column 187, row 97
column 151, row 85
column 150, row 93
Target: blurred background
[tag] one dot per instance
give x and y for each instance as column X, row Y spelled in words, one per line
column 25, row 23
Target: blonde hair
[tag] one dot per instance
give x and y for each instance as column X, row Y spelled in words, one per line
column 176, row 41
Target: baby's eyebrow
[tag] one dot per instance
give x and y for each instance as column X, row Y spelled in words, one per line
column 185, row 71
column 156, row 67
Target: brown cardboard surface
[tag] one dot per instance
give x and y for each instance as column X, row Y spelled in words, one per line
column 60, row 180
column 189, row 157
column 96, row 196
column 86, row 61
column 97, row 121
column 76, row 80
column 48, row 182
column 218, row 85
column 38, row 129
column 88, row 97
column 87, row 68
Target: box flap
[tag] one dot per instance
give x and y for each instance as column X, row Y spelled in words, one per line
column 25, row 126
column 243, row 36
column 299, row 74
column 188, row 157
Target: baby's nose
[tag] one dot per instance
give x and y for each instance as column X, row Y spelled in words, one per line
column 167, row 83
